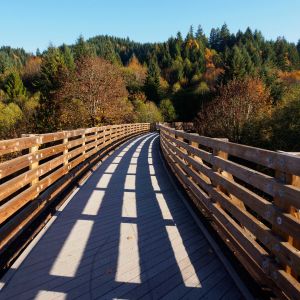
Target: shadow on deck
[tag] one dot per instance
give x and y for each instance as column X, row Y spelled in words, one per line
column 124, row 234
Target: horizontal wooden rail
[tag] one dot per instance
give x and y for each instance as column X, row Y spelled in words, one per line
column 253, row 198
column 35, row 168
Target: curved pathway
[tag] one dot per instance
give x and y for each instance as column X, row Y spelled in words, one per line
column 125, row 233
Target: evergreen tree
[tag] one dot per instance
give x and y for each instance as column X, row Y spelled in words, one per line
column 224, row 37
column 281, row 50
column 167, row 110
column 53, row 69
column 190, row 34
column 215, row 39
column 200, row 36
column 237, row 64
column 152, row 83
column 68, row 57
column 14, row 87
column 82, row 49
column 249, row 66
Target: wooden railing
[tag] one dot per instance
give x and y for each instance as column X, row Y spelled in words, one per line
column 252, row 197
column 36, row 168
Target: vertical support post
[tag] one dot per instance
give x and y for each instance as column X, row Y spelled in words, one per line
column 96, row 139
column 104, row 136
column 221, row 154
column 34, row 165
column 197, row 158
column 66, row 150
column 179, row 138
column 83, row 143
column 224, row 155
column 110, row 132
column 190, row 154
column 290, row 179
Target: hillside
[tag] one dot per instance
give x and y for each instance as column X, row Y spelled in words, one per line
column 185, row 78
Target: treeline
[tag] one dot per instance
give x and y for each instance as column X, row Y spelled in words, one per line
column 239, row 86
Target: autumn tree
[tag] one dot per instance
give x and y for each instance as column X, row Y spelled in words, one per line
column 31, row 72
column 100, row 88
column 134, row 74
column 239, row 101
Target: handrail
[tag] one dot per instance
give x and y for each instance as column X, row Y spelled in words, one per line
column 251, row 195
column 35, row 168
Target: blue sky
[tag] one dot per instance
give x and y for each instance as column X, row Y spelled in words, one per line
column 36, row 23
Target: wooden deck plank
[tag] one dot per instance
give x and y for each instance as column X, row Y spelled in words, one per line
column 94, row 259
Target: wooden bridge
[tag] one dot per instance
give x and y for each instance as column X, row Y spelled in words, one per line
column 97, row 214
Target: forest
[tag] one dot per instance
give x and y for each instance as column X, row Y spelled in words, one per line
column 239, row 86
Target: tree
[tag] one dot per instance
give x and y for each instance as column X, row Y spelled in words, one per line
column 224, row 37
column 240, row 101
column 31, row 72
column 147, row 112
column 10, row 115
column 167, row 110
column 99, row 85
column 53, row 71
column 138, row 72
column 285, row 121
column 152, row 82
column 14, row 87
column 82, row 49
column 68, row 57
column 200, row 36
column 279, row 129
column 215, row 39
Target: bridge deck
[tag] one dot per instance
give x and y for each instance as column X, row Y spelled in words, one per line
column 125, row 233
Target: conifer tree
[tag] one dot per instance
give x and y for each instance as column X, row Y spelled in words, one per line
column 68, row 57
column 82, row 49
column 200, row 36
column 14, row 87
column 152, row 84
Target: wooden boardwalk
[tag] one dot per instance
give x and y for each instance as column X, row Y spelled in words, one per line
column 125, row 233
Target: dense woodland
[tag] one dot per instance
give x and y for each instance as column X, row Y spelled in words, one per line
column 239, row 86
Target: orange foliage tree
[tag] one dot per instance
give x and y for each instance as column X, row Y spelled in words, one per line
column 99, row 90
column 238, row 102
column 212, row 72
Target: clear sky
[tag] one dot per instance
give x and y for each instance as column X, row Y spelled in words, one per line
column 35, row 23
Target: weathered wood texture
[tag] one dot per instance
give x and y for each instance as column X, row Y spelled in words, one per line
column 46, row 164
column 253, row 198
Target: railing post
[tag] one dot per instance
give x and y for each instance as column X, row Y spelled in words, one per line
column 104, row 136
column 109, row 135
column 217, row 152
column 179, row 138
column 66, row 150
column 197, row 158
column 83, row 143
column 190, row 154
column 33, row 165
column 224, row 155
column 96, row 139
column 288, row 179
